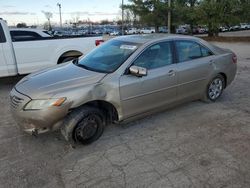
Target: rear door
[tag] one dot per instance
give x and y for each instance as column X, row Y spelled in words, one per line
column 195, row 64
column 157, row 88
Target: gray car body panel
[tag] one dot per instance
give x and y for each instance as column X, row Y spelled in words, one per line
column 129, row 94
column 51, row 81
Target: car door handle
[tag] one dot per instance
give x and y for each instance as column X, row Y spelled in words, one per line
column 171, row 73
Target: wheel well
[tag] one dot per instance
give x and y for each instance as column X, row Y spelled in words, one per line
column 225, row 78
column 71, row 53
column 108, row 109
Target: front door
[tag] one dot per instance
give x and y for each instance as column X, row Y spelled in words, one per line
column 157, row 88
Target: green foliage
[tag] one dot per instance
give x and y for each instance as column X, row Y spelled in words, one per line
column 150, row 12
column 244, row 10
column 215, row 13
column 212, row 13
column 185, row 12
column 21, row 25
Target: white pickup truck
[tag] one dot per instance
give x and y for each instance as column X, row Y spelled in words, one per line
column 29, row 54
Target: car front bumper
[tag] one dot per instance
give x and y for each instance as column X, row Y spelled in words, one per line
column 36, row 121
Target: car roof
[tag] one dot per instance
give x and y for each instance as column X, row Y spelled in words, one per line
column 151, row 38
column 145, row 38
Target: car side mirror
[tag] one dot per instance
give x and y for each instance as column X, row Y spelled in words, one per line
column 138, row 71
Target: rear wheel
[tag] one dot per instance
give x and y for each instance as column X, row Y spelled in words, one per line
column 84, row 125
column 214, row 88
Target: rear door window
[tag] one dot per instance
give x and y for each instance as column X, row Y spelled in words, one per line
column 189, row 50
column 205, row 52
column 24, row 35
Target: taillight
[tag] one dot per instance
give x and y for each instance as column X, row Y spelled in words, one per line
column 234, row 58
column 98, row 42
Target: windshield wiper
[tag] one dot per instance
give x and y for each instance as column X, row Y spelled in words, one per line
column 91, row 69
column 86, row 67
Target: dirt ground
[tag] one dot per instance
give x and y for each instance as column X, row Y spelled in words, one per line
column 244, row 33
column 193, row 145
column 233, row 36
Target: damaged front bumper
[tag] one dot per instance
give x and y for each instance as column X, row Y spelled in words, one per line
column 35, row 122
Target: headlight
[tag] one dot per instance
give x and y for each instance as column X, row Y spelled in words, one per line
column 39, row 104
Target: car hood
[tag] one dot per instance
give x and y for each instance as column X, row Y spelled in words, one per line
column 49, row 82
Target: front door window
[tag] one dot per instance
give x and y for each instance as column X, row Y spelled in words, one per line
column 156, row 56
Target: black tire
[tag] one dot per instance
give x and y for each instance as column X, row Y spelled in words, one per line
column 212, row 94
column 84, row 125
column 66, row 59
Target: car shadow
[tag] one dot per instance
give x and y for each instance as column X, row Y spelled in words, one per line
column 11, row 80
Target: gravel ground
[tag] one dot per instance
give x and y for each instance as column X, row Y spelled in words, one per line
column 244, row 33
column 193, row 145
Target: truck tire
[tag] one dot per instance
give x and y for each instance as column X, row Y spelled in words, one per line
column 66, row 59
column 83, row 125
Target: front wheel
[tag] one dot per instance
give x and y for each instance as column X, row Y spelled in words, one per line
column 84, row 125
column 214, row 89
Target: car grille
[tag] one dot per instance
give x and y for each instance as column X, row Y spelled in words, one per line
column 16, row 101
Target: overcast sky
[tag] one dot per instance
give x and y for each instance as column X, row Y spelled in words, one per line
column 30, row 11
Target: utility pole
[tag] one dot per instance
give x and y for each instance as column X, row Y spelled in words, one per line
column 169, row 17
column 122, row 17
column 60, row 13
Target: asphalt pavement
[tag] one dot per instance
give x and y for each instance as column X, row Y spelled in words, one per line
column 193, row 145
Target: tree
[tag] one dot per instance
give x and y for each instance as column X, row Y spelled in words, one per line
column 129, row 17
column 215, row 13
column 48, row 15
column 212, row 13
column 105, row 22
column 75, row 19
column 244, row 13
column 150, row 12
column 21, row 25
column 46, row 25
column 185, row 12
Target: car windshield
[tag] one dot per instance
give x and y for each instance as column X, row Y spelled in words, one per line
column 108, row 56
